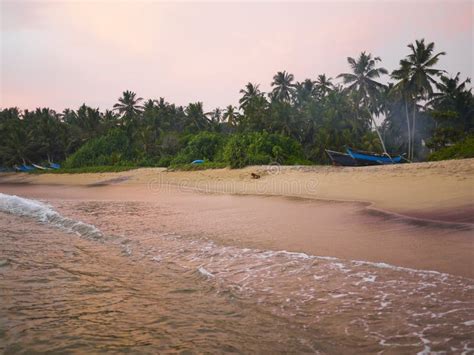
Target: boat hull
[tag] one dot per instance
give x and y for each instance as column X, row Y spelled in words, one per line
column 364, row 158
column 341, row 159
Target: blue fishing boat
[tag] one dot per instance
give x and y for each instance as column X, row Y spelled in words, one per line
column 54, row 166
column 341, row 159
column 367, row 158
column 24, row 168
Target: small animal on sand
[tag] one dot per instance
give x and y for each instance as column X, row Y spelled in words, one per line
column 255, row 176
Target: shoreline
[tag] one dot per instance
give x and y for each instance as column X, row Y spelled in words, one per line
column 437, row 192
column 267, row 219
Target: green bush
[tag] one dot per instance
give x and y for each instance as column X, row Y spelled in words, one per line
column 204, row 145
column 165, row 161
column 217, row 150
column 112, row 149
column 262, row 148
column 460, row 150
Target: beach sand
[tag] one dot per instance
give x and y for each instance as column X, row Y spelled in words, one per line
column 413, row 215
column 441, row 190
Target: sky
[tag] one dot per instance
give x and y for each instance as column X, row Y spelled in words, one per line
column 60, row 54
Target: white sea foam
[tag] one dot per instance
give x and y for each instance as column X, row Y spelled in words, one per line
column 46, row 214
column 205, row 272
column 292, row 284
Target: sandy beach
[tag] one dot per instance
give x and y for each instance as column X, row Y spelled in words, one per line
column 417, row 215
column 442, row 191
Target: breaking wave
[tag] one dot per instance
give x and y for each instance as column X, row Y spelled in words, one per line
column 375, row 305
column 45, row 214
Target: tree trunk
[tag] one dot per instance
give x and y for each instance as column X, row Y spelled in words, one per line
column 409, row 129
column 380, row 137
column 413, row 131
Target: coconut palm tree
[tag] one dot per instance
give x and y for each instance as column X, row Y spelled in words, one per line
column 231, row 115
column 215, row 115
column 250, row 92
column 418, row 76
column 18, row 142
column 196, row 117
column 361, row 82
column 128, row 105
column 149, row 104
column 323, row 85
column 362, row 79
column 402, row 89
column 304, row 91
column 449, row 89
column 453, row 110
column 283, row 87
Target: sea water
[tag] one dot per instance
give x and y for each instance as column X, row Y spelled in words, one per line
column 93, row 276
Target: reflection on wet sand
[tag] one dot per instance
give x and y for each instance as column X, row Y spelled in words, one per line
column 186, row 271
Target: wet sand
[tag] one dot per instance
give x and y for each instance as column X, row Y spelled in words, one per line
column 436, row 190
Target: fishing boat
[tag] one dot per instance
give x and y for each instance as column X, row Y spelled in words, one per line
column 40, row 167
column 341, row 159
column 368, row 158
column 24, row 168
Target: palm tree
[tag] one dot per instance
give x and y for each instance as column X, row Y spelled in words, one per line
column 196, row 117
column 18, row 142
column 215, row 115
column 402, row 90
column 304, row 91
column 128, row 105
column 250, row 92
column 417, row 75
column 283, row 86
column 449, row 89
column 324, row 85
column 453, row 108
column 361, row 82
column 149, row 104
column 231, row 115
column 110, row 118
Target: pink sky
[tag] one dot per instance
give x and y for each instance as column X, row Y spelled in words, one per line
column 61, row 54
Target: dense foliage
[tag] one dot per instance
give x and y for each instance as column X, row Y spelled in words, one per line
column 422, row 111
column 460, row 150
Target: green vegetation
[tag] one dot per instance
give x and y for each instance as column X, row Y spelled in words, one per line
column 262, row 148
column 460, row 150
column 204, row 145
column 421, row 112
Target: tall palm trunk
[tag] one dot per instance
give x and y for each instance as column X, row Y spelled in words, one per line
column 380, row 137
column 408, row 127
column 413, row 131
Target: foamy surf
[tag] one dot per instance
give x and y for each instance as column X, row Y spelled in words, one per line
column 379, row 305
column 44, row 213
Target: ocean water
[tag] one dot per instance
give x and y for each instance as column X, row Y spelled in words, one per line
column 93, row 276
